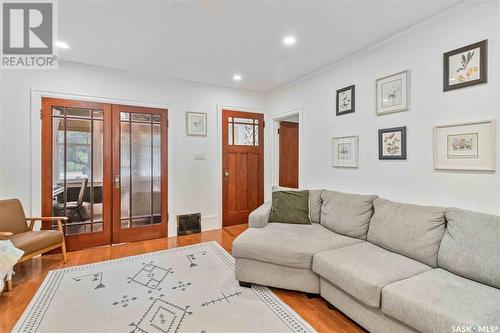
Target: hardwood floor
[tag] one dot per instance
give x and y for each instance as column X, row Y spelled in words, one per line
column 30, row 274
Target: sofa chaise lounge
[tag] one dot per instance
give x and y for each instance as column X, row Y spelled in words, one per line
column 389, row 266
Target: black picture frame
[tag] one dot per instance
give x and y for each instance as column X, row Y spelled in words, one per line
column 381, row 156
column 353, row 100
column 483, row 69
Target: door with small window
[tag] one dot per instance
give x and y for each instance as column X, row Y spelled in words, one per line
column 242, row 165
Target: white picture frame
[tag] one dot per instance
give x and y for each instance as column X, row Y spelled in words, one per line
column 345, row 151
column 465, row 146
column 196, row 123
column 393, row 93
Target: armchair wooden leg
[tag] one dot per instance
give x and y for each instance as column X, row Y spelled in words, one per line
column 9, row 285
column 63, row 250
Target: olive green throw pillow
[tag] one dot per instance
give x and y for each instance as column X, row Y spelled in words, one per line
column 290, row 207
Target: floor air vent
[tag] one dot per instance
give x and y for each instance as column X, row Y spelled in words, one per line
column 188, row 224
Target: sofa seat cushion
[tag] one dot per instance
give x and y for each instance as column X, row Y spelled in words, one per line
column 290, row 245
column 437, row 301
column 364, row 269
column 32, row 241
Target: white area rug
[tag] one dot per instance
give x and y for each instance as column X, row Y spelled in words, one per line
column 186, row 289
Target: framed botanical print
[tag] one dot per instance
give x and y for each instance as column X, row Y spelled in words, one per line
column 196, row 123
column 392, row 143
column 466, row 146
column 466, row 66
column 393, row 93
column 345, row 100
column 345, row 152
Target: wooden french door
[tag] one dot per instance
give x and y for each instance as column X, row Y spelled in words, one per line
column 289, row 154
column 242, row 165
column 104, row 167
column 139, row 173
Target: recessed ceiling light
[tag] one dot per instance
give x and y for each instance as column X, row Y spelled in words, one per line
column 62, row 45
column 289, row 40
column 237, row 77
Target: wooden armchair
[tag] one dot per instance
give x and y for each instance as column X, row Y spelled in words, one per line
column 15, row 227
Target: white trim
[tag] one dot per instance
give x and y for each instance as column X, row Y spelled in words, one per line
column 221, row 107
column 277, row 118
column 35, row 154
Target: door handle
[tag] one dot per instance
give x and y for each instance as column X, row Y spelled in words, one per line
column 226, row 173
column 117, row 181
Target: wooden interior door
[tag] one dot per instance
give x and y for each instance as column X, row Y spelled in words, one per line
column 242, row 165
column 289, row 154
column 139, row 173
column 76, row 169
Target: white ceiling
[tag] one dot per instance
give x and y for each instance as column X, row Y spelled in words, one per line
column 210, row 41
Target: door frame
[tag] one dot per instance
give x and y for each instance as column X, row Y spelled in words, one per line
column 276, row 119
column 221, row 107
column 35, row 159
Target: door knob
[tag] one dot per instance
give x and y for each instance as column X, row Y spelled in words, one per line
column 226, row 173
column 117, row 181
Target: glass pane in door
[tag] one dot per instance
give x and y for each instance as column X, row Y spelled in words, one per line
column 77, row 168
column 156, row 173
column 140, row 158
column 125, row 171
column 140, row 170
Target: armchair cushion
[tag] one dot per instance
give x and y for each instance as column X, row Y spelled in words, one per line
column 12, row 217
column 32, row 241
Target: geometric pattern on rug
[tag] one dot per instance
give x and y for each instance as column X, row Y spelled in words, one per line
column 185, row 289
column 150, row 276
column 97, row 277
column 161, row 317
column 220, row 299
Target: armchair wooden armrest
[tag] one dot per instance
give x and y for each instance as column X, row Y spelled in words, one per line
column 59, row 220
column 5, row 235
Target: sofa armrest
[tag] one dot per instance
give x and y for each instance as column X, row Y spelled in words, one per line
column 260, row 217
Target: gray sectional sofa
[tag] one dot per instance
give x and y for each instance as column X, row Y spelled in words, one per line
column 389, row 266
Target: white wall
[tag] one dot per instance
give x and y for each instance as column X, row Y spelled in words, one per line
column 421, row 51
column 193, row 184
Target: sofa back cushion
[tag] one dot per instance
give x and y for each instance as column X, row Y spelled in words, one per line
column 410, row 230
column 347, row 214
column 314, row 201
column 471, row 246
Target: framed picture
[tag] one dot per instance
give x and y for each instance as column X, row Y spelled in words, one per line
column 345, row 100
column 196, row 123
column 466, row 66
column 467, row 146
column 393, row 93
column 392, row 143
column 345, row 152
